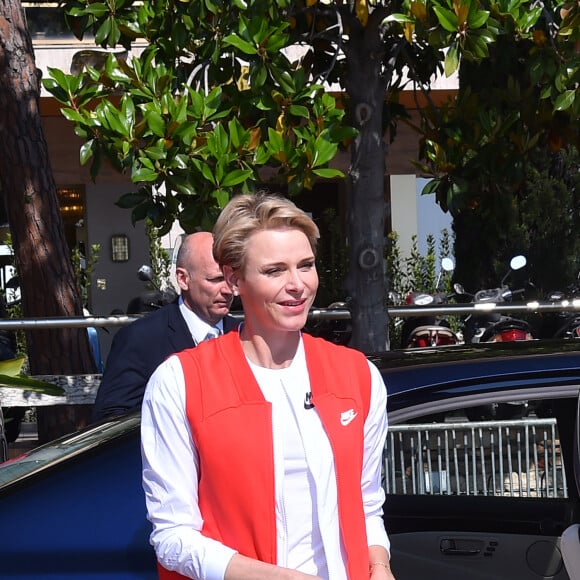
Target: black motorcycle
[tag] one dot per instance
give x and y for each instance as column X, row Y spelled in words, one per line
column 150, row 300
column 563, row 324
column 489, row 326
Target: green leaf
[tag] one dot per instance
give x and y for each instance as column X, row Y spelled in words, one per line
column 328, row 173
column 529, row 18
column 565, row 100
column 258, row 76
column 431, row 186
column 72, row 115
column 447, row 18
column 299, row 111
column 28, row 384
column 103, row 32
column 98, row 9
column 156, row 153
column 401, row 18
column 11, row 376
column 239, row 43
column 236, row 177
column 477, row 19
column 476, row 46
column 196, row 104
column 276, row 142
column 235, row 130
column 208, row 173
column 144, row 174
column 110, row 117
column 12, row 367
column 67, row 82
column 156, row 123
column 86, row 151
column 221, row 196
column 325, row 150
column 451, row 60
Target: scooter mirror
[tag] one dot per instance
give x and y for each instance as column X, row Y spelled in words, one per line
column 145, row 273
column 518, row 262
column 447, row 264
column 458, row 288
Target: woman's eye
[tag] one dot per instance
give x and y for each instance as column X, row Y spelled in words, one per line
column 273, row 271
column 307, row 266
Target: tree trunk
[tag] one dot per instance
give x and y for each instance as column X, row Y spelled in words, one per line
column 366, row 280
column 47, row 280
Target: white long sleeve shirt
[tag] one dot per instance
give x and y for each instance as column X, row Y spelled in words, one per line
column 305, row 477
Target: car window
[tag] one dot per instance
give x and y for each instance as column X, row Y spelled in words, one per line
column 507, row 450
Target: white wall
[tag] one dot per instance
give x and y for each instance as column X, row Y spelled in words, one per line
column 430, row 217
column 415, row 214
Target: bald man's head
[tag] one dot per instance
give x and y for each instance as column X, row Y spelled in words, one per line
column 200, row 279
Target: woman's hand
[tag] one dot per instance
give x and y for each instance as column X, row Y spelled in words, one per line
column 379, row 564
column 244, row 568
column 381, row 571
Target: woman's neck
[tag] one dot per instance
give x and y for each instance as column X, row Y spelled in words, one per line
column 273, row 351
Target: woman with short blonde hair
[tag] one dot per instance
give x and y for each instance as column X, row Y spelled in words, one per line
column 262, row 449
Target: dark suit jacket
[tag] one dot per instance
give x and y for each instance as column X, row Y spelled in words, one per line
column 137, row 350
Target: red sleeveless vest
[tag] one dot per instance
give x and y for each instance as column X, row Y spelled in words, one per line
column 231, row 425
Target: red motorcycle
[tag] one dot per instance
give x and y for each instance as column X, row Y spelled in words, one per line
column 430, row 330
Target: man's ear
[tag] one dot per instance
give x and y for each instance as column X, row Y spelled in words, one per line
column 182, row 278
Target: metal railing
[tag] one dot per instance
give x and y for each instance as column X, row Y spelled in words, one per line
column 315, row 314
column 519, row 458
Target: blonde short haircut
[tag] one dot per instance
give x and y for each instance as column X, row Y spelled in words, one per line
column 249, row 213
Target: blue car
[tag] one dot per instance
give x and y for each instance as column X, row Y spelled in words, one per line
column 481, row 472
column 74, row 508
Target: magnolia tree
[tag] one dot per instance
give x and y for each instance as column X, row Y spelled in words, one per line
column 230, row 94
column 516, row 115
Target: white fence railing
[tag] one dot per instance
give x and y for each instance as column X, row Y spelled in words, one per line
column 501, row 458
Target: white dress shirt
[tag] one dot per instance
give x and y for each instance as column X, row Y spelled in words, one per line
column 304, row 476
column 199, row 328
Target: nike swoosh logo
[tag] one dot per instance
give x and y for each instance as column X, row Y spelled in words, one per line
column 347, row 417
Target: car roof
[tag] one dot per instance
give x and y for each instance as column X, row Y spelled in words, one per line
column 425, row 374
column 412, row 376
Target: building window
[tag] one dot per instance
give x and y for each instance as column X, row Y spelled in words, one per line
column 119, row 248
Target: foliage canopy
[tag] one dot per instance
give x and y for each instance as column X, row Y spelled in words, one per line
column 226, row 95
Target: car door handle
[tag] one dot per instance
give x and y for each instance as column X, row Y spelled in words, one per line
column 459, row 547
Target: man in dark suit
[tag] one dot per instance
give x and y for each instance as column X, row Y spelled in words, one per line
column 139, row 348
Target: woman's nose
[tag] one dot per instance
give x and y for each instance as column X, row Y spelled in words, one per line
column 295, row 282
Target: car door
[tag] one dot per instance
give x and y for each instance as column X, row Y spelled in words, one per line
column 482, row 499
column 3, row 440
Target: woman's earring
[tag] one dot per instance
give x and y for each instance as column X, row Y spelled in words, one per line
column 235, row 291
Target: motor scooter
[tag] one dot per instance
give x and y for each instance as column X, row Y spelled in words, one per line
column 150, row 300
column 495, row 327
column 489, row 326
column 430, row 330
column 563, row 324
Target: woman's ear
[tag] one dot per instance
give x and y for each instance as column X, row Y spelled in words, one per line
column 231, row 277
